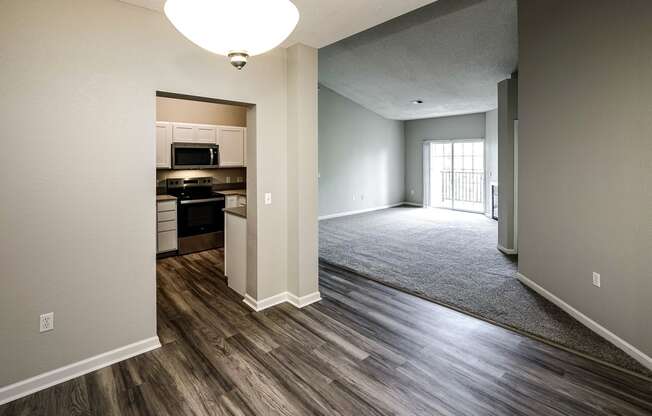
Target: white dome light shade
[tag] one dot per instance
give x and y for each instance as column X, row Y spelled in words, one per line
column 251, row 27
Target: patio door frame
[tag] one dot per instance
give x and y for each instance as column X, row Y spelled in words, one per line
column 426, row 172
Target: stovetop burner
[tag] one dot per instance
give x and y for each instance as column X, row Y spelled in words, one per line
column 190, row 188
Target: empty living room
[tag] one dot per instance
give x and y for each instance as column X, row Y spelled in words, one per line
column 326, row 207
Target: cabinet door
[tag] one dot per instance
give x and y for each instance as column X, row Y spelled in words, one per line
column 163, row 145
column 231, row 142
column 235, row 253
column 206, row 134
column 184, row 132
column 244, row 146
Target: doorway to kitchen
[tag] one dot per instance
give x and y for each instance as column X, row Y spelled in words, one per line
column 454, row 174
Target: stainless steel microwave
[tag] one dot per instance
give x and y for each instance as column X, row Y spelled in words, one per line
column 195, row 156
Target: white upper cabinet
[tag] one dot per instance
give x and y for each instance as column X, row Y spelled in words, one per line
column 194, row 133
column 163, row 145
column 184, row 133
column 206, row 134
column 232, row 141
column 232, row 146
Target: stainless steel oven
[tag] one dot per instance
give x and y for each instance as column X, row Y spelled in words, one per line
column 200, row 216
column 195, row 156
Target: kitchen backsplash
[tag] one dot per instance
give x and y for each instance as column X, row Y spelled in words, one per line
column 222, row 178
column 219, row 175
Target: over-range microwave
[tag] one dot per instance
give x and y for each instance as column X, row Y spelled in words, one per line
column 195, row 156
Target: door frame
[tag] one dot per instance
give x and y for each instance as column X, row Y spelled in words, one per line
column 426, row 171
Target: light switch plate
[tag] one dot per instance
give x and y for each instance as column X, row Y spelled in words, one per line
column 268, row 198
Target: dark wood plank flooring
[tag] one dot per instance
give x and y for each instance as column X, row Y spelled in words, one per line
column 365, row 349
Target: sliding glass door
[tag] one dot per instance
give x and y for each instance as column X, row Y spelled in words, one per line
column 454, row 174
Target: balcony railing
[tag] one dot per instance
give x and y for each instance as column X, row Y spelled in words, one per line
column 465, row 186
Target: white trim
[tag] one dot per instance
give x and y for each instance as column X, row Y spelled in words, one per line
column 509, row 251
column 362, row 211
column 259, row 305
column 303, row 301
column 42, row 381
column 299, row 302
column 413, row 204
column 631, row 350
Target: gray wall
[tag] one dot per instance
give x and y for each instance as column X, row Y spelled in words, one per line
column 491, row 155
column 507, row 113
column 361, row 155
column 470, row 126
column 585, row 159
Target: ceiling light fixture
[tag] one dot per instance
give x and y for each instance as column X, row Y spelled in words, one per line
column 234, row 28
column 417, row 102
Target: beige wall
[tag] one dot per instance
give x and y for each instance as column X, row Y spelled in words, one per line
column 585, row 158
column 188, row 111
column 77, row 236
column 302, row 170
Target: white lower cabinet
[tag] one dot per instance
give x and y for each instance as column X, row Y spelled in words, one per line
column 166, row 226
column 235, row 252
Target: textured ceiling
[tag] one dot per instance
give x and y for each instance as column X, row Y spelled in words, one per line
column 450, row 54
column 323, row 22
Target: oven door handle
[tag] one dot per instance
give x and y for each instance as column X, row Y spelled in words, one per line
column 200, row 201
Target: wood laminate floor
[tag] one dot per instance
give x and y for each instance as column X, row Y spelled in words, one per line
column 365, row 349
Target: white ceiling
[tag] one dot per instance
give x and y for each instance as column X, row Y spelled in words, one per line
column 323, row 22
column 450, row 54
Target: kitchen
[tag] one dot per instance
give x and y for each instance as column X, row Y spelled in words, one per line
column 201, row 190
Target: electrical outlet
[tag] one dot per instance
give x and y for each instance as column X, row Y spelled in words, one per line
column 596, row 279
column 268, row 198
column 47, row 322
column 411, row 191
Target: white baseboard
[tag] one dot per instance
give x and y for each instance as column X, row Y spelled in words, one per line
column 362, row 211
column 631, row 350
column 259, row 305
column 303, row 301
column 42, row 381
column 509, row 251
column 413, row 204
column 297, row 301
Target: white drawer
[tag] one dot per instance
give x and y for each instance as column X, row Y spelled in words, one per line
column 167, row 216
column 166, row 241
column 167, row 226
column 166, row 206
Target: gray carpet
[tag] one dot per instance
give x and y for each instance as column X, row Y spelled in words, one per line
column 451, row 258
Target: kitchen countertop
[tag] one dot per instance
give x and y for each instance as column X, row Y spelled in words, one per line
column 241, row 192
column 237, row 211
column 160, row 198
